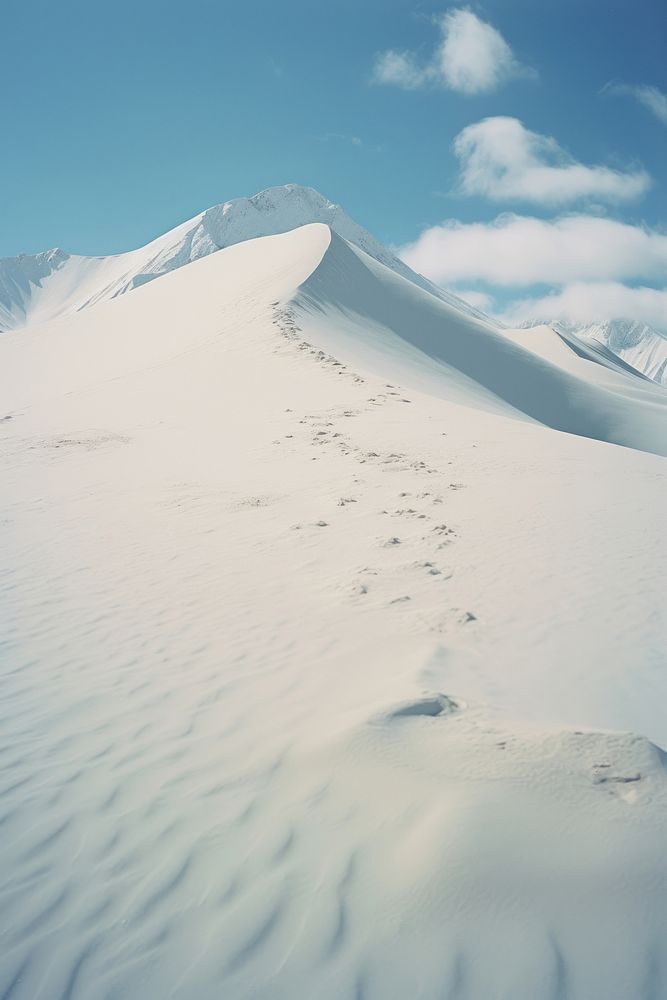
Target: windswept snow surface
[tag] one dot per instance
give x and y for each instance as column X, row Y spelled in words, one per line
column 329, row 669
column 36, row 289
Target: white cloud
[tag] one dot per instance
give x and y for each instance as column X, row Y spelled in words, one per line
column 480, row 300
column 586, row 262
column 650, row 97
column 399, row 68
column 583, row 302
column 520, row 251
column 472, row 57
column 501, row 159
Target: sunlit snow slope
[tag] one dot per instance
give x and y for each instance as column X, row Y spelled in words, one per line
column 35, row 289
column 329, row 669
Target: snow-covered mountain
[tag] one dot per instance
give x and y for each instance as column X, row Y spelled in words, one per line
column 34, row 289
column 636, row 344
column 40, row 287
column 333, row 637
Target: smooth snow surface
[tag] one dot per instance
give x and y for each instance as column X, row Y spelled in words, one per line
column 324, row 653
column 366, row 313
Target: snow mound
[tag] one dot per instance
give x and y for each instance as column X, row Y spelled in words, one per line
column 561, row 825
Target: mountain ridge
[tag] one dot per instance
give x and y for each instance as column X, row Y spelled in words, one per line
column 40, row 287
column 634, row 343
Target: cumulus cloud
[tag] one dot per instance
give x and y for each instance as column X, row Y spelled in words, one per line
column 503, row 160
column 650, row 97
column 590, row 302
column 589, row 264
column 472, row 57
column 516, row 250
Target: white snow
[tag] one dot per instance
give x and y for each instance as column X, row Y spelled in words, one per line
column 633, row 343
column 637, row 343
column 35, row 289
column 324, row 651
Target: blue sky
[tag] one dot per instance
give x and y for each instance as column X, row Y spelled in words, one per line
column 122, row 119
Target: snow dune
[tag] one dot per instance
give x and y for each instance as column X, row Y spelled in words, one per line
column 37, row 288
column 322, row 650
column 373, row 313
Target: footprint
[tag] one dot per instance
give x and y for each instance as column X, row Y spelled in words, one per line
column 430, row 705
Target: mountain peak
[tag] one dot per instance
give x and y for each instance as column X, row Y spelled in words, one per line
column 269, row 198
column 29, row 294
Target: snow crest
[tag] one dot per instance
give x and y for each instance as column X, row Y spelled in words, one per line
column 32, row 292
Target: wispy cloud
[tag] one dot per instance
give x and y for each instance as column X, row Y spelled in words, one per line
column 516, row 250
column 503, row 160
column 471, row 57
column 400, row 69
column 650, row 97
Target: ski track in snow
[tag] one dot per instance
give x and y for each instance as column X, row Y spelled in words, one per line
column 262, row 737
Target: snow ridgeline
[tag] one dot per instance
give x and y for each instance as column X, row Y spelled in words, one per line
column 40, row 287
column 35, row 289
column 369, row 315
column 635, row 344
column 317, row 638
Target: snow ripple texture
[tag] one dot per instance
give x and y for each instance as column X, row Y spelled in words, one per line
column 286, row 707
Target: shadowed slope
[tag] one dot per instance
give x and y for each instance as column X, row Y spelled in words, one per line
column 362, row 309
